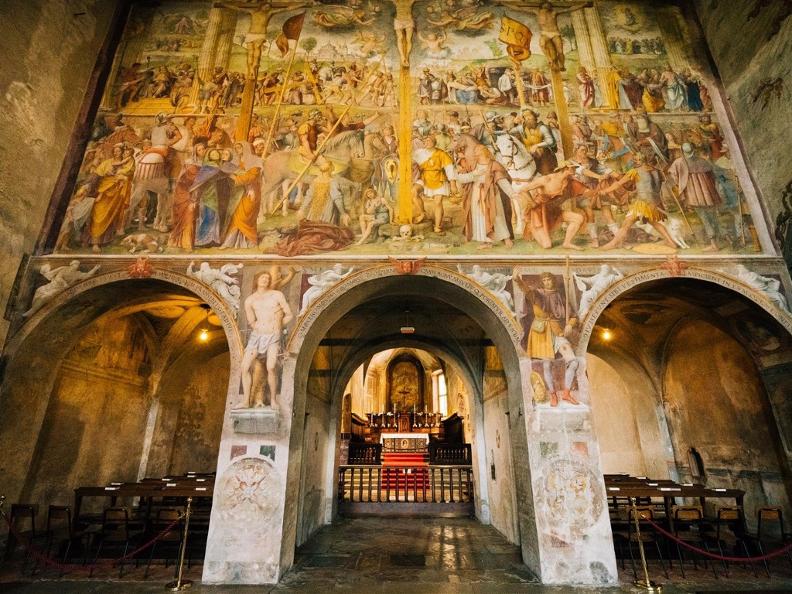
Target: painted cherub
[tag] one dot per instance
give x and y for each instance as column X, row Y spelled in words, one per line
column 434, row 43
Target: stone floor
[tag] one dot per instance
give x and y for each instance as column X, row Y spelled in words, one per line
column 396, row 555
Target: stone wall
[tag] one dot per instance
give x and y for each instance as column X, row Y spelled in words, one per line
column 751, row 44
column 51, row 49
column 738, row 443
column 95, row 417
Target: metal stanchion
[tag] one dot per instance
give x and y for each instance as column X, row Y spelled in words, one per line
column 182, row 584
column 645, row 583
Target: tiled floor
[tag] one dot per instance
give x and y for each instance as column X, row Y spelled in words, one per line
column 397, row 555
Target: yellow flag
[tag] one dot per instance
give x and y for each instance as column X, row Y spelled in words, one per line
column 517, row 38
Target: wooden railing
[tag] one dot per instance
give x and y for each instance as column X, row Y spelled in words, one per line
column 442, row 453
column 427, row 490
column 365, row 453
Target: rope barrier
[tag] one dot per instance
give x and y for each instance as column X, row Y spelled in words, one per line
column 45, row 559
column 706, row 553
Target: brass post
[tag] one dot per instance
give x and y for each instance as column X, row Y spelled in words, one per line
column 182, row 584
column 645, row 583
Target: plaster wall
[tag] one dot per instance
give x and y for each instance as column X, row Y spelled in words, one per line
column 751, row 44
column 92, row 430
column 499, row 470
column 614, row 420
column 51, row 48
column 720, row 408
column 189, row 422
column 318, row 427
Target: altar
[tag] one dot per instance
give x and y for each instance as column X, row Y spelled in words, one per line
column 404, row 442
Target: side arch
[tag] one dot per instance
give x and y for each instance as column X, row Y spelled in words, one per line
column 645, row 276
column 226, row 315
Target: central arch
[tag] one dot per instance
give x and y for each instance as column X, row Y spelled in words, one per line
column 435, row 285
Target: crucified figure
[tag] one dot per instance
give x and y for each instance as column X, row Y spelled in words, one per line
column 260, row 11
column 404, row 25
column 550, row 39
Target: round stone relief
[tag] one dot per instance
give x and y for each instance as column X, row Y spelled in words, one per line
column 573, row 491
column 249, row 491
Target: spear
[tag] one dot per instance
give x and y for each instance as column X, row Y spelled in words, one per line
column 278, row 106
column 316, row 154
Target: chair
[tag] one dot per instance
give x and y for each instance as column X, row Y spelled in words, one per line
column 59, row 529
column 689, row 527
column 115, row 530
column 647, row 535
column 770, row 531
column 730, row 532
column 19, row 513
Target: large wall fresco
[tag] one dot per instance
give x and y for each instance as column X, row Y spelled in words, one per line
column 408, row 126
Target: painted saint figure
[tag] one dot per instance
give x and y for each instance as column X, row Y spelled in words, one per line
column 550, row 39
column 546, row 310
column 267, row 312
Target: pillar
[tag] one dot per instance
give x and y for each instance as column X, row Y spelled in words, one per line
column 216, row 47
column 600, row 54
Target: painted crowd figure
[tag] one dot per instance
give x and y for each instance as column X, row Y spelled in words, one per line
column 309, row 142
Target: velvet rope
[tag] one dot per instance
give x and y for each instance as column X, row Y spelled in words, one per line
column 705, row 553
column 44, row 558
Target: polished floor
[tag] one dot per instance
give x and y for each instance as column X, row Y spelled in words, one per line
column 395, row 556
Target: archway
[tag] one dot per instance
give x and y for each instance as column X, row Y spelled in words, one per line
column 454, row 321
column 693, row 370
column 115, row 379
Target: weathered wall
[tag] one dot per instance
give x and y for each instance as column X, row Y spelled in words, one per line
column 51, row 48
column 720, row 408
column 751, row 44
column 317, row 438
column 187, row 434
column 614, row 420
column 628, row 417
column 95, row 418
column 499, row 470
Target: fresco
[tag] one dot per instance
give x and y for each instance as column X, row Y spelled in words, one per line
column 406, row 126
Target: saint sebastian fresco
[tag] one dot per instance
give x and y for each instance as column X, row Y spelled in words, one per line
column 296, row 128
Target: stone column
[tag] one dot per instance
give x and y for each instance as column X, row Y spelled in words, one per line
column 216, row 45
column 599, row 51
column 583, row 40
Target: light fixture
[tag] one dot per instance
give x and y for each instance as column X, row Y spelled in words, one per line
column 407, row 327
column 606, row 335
column 203, row 333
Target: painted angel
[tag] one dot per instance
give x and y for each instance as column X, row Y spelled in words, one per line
column 434, row 44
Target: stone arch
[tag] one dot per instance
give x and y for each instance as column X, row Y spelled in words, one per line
column 645, row 276
column 219, row 307
column 356, row 279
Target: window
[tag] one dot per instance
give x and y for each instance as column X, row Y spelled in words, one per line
column 442, row 394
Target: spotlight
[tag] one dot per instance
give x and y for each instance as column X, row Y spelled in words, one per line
column 203, row 334
column 606, row 335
